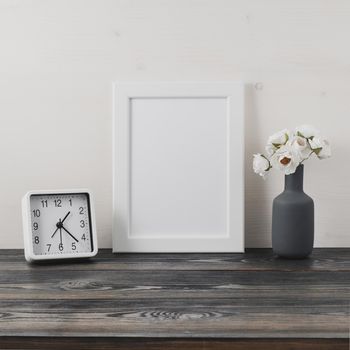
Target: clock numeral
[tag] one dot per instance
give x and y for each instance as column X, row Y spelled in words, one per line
column 83, row 237
column 36, row 240
column 74, row 247
column 82, row 223
column 36, row 213
column 35, row 226
column 44, row 203
column 48, row 247
column 70, row 202
column 81, row 210
column 60, row 247
column 58, row 203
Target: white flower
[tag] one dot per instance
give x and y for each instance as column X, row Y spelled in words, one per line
column 260, row 165
column 302, row 146
column 286, row 158
column 321, row 147
column 277, row 140
column 307, row 131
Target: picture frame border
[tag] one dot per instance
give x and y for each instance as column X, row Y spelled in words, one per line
column 123, row 93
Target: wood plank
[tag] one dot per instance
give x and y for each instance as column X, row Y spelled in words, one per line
column 100, row 292
column 322, row 259
column 48, row 284
column 176, row 317
column 198, row 278
column 90, row 343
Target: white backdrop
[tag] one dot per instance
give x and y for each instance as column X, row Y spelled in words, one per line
column 58, row 59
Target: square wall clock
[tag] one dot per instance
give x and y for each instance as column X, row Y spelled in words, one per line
column 178, row 167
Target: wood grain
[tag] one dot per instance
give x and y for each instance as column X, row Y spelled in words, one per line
column 171, row 344
column 330, row 259
column 178, row 296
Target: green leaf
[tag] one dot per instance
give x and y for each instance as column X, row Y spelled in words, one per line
column 317, row 150
column 277, row 145
column 300, row 134
column 287, row 138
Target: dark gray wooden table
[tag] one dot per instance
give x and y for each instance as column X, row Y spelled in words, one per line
column 182, row 301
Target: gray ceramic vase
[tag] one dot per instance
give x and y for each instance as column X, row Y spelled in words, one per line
column 293, row 219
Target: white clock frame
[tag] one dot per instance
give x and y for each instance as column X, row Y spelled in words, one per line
column 27, row 226
column 125, row 237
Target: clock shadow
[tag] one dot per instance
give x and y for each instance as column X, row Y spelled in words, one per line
column 73, row 261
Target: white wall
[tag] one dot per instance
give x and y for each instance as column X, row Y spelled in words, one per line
column 59, row 57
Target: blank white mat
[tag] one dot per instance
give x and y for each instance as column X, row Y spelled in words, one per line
column 178, row 167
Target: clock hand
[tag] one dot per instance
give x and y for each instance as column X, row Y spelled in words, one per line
column 65, row 217
column 55, row 232
column 60, row 234
column 70, row 234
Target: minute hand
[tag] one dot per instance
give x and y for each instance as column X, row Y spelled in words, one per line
column 70, row 234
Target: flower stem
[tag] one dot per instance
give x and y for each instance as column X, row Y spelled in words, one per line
column 312, row 151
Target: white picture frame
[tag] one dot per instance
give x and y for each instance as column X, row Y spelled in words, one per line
column 178, row 180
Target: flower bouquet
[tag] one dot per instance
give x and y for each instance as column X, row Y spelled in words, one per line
column 286, row 150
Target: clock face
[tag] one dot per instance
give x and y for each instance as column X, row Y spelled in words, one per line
column 61, row 224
